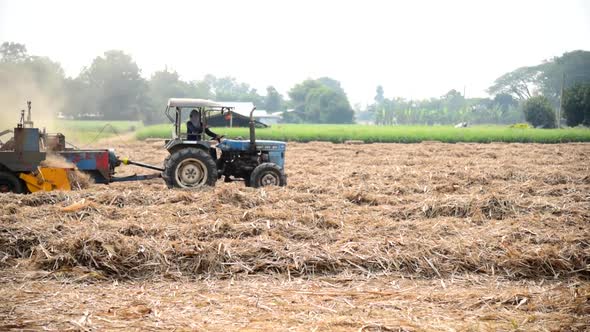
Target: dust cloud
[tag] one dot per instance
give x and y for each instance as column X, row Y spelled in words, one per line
column 19, row 86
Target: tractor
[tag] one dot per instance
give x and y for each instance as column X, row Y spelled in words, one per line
column 195, row 161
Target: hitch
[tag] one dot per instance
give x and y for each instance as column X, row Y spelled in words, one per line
column 126, row 161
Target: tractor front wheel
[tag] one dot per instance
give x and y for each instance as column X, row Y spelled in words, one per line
column 267, row 174
column 190, row 168
column 10, row 183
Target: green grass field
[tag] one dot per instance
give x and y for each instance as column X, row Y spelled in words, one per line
column 392, row 134
column 84, row 132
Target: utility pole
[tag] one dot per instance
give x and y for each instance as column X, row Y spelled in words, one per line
column 560, row 101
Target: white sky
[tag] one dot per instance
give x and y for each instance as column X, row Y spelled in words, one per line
column 415, row 49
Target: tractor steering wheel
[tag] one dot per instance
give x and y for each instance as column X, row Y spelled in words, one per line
column 219, row 138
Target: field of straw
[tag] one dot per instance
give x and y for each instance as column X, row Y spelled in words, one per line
column 375, row 237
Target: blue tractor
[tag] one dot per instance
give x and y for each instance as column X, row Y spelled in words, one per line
column 196, row 161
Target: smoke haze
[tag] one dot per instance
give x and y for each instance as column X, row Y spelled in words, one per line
column 17, row 86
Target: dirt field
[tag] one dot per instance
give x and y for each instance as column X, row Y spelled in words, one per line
column 379, row 237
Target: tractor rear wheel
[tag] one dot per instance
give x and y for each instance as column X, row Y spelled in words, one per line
column 267, row 174
column 164, row 175
column 190, row 168
column 10, row 183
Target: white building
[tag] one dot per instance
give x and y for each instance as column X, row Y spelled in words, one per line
column 244, row 109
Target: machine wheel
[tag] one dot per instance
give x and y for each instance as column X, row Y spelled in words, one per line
column 190, row 168
column 10, row 183
column 267, row 174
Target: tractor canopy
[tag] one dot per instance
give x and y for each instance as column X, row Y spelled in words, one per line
column 197, row 103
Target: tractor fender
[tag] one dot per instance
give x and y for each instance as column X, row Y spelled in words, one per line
column 174, row 146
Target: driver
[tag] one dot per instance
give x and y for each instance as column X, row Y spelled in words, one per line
column 195, row 128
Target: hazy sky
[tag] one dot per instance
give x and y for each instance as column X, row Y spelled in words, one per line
column 415, row 49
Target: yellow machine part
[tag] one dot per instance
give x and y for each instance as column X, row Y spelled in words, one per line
column 47, row 179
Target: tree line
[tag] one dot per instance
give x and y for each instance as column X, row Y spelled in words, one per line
column 561, row 83
column 531, row 94
column 112, row 88
column 451, row 108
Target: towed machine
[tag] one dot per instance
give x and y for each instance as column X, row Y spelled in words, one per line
column 190, row 164
column 23, row 168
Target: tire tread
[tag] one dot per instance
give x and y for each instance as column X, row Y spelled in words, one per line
column 175, row 158
column 264, row 167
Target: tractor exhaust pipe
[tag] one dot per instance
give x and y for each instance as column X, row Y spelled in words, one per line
column 252, row 130
column 29, row 113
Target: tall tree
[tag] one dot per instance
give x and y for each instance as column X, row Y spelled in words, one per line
column 539, row 112
column 576, row 105
column 505, row 101
column 453, row 100
column 163, row 85
column 273, row 101
column 116, row 86
column 201, row 89
column 546, row 78
column 229, row 89
column 519, row 83
column 331, row 83
column 379, row 97
column 13, row 52
column 321, row 101
column 569, row 69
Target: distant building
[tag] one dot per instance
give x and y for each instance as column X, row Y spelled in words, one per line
column 231, row 119
column 62, row 116
column 268, row 118
column 244, row 108
column 79, row 116
column 89, row 116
